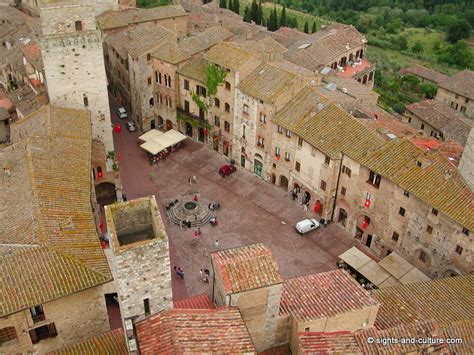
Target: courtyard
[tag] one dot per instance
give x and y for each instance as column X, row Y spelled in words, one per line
column 252, row 211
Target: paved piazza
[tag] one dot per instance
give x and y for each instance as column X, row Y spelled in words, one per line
column 251, row 211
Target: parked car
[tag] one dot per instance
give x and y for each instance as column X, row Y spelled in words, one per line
column 131, row 127
column 306, row 225
column 226, row 170
column 122, row 113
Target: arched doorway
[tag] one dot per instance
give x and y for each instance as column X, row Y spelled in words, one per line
column 189, row 129
column 169, row 125
column 450, row 273
column 371, row 75
column 242, row 161
column 105, row 193
column 284, row 182
column 306, row 198
column 342, row 218
column 364, row 80
column 274, row 179
column 257, row 165
column 152, row 124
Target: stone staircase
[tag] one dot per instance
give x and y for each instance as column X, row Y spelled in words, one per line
column 201, row 221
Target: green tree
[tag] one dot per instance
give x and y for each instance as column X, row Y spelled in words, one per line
column 222, row 4
column 313, row 29
column 247, row 15
column 254, row 11
column 230, row 5
column 417, row 47
column 283, row 17
column 259, row 14
column 306, row 27
column 398, row 107
column 428, row 90
column 272, row 23
column 436, row 46
column 458, row 54
column 236, row 7
column 458, row 30
column 402, row 43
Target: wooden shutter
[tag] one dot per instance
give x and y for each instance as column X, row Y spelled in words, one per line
column 33, row 336
column 52, row 330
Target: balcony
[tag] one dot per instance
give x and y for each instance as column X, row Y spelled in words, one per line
column 192, row 119
column 351, row 70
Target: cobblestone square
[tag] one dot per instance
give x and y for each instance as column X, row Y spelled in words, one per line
column 252, row 211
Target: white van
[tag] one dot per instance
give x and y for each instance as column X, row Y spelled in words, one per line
column 306, row 226
column 121, row 112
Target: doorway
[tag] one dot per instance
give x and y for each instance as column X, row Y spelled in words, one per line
column 153, row 124
column 201, row 135
column 342, row 217
column 284, row 182
column 257, row 167
column 274, row 178
column 189, row 129
column 368, row 241
column 242, row 161
column 169, row 125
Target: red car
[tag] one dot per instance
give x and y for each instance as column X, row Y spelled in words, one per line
column 226, row 170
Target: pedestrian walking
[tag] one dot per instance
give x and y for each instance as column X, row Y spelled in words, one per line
column 199, row 231
column 181, row 224
column 196, row 235
column 216, row 243
column 195, row 180
column 190, row 181
column 306, row 206
column 201, row 274
column 195, row 198
column 179, row 272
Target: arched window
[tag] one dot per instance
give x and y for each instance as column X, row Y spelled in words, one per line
column 227, row 107
column 160, row 99
column 246, row 109
column 78, row 25
column 158, row 78
column 227, row 85
column 217, row 103
column 152, row 102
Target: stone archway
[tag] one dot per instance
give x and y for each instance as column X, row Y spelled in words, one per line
column 342, row 217
column 188, row 129
column 169, row 125
column 284, row 182
column 274, row 179
column 105, row 193
column 364, row 79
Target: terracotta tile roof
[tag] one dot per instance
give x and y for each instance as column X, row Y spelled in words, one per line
column 194, row 69
column 463, row 329
column 246, row 268
column 32, row 53
column 144, row 40
column 451, row 123
column 323, row 295
column 180, row 331
column 50, row 246
column 439, row 183
column 197, row 302
column 425, row 73
column 322, row 124
column 267, row 82
column 328, row 343
column 111, row 342
column 443, row 300
column 116, row 19
column 461, row 83
column 4, row 115
column 173, row 52
column 324, row 46
column 228, row 55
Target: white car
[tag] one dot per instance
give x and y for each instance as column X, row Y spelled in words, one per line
column 306, row 226
column 131, row 127
column 121, row 112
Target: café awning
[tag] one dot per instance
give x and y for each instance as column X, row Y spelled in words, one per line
column 390, row 271
column 157, row 142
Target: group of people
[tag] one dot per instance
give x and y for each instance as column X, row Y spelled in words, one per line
column 204, row 275
column 214, row 206
column 192, row 180
column 179, row 272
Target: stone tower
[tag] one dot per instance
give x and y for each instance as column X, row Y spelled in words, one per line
column 73, row 59
column 466, row 165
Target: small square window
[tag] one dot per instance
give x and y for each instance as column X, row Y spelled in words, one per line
column 297, row 166
column 429, row 229
column 306, row 330
column 327, row 160
column 346, row 170
column 287, row 156
column 401, row 212
column 423, row 257
column 288, row 133
column 395, row 236
column 459, row 249
column 148, row 57
column 343, row 191
column 465, row 231
column 323, row 185
column 149, row 81
column 418, row 163
column 300, row 142
column 186, row 85
column 434, row 211
column 280, row 129
column 406, row 193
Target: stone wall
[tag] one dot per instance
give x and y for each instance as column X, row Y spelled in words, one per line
column 414, row 236
column 141, row 269
column 457, row 102
column 141, row 82
column 76, row 317
column 466, row 165
column 75, row 74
